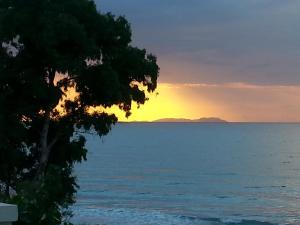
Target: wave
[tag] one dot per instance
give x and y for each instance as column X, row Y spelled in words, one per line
column 114, row 216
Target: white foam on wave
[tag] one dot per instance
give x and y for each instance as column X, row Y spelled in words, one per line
column 131, row 217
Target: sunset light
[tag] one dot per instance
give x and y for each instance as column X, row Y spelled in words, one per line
column 139, row 112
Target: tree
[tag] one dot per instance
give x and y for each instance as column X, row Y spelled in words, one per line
column 48, row 47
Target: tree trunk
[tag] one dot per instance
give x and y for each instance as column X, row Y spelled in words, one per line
column 44, row 145
column 43, row 149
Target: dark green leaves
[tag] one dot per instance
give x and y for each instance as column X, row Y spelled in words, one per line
column 39, row 41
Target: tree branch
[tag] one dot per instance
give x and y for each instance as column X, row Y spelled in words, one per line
column 53, row 142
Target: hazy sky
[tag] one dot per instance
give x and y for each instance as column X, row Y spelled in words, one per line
column 241, row 56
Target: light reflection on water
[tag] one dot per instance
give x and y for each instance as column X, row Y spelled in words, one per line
column 172, row 173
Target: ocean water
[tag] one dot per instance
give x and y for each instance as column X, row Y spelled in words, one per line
column 191, row 174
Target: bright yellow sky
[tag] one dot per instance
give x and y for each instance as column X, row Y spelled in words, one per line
column 171, row 101
column 235, row 102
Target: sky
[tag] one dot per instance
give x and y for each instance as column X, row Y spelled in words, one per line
column 234, row 59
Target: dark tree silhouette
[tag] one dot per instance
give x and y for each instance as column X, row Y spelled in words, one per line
column 46, row 48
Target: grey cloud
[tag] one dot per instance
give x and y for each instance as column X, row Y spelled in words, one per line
column 255, row 41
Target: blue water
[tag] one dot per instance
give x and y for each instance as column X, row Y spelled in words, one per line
column 188, row 174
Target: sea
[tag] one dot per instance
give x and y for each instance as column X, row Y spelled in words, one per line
column 191, row 174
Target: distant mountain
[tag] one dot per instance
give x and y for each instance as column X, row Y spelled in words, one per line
column 182, row 120
column 210, row 120
column 175, row 120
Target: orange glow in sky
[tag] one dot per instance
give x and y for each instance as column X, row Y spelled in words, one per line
column 235, row 102
column 170, row 101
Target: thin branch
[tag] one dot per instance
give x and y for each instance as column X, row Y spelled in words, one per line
column 53, row 142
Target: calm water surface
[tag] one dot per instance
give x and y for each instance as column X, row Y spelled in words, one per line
column 189, row 174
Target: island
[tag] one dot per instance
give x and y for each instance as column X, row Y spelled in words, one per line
column 183, row 120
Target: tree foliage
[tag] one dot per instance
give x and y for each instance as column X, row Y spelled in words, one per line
column 48, row 47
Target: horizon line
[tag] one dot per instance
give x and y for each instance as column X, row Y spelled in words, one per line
column 225, row 122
